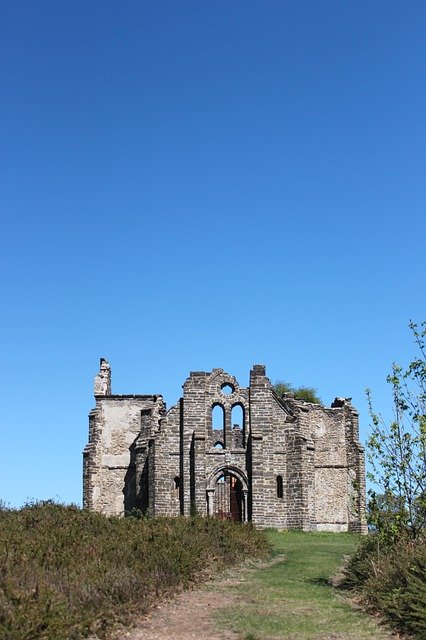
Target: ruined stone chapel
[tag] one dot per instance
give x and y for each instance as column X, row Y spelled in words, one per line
column 244, row 454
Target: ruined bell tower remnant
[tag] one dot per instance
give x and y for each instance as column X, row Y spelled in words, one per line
column 226, row 451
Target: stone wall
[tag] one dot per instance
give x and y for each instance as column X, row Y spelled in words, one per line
column 109, row 481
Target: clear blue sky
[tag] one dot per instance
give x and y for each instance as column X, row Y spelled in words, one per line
column 198, row 184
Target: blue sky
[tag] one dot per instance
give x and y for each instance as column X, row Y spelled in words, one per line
column 196, row 184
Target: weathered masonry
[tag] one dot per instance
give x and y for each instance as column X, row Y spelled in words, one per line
column 240, row 453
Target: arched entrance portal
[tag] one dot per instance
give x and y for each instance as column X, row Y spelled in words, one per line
column 227, row 495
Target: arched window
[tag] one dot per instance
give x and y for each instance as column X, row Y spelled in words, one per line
column 218, row 424
column 237, row 416
column 177, row 482
column 280, row 489
column 237, row 422
column 218, row 417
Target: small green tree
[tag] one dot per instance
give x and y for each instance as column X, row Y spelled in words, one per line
column 397, row 449
column 309, row 394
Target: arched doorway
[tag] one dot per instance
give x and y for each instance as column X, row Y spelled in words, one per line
column 227, row 495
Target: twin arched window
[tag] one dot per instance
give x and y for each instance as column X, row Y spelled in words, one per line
column 237, row 423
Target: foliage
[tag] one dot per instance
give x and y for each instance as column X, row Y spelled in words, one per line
column 389, row 568
column 308, row 394
column 392, row 579
column 67, row 573
column 397, row 450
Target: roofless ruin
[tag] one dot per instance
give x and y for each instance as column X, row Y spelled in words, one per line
column 227, row 451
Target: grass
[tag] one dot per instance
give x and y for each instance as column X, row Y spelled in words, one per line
column 294, row 598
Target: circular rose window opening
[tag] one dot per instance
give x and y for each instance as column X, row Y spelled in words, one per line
column 227, row 389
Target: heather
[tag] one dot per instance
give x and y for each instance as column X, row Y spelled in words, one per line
column 391, row 576
column 66, row 573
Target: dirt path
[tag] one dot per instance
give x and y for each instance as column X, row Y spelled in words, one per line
column 189, row 615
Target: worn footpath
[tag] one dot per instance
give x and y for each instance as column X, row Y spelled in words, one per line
column 192, row 614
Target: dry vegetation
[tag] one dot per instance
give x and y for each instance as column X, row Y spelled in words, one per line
column 67, row 573
column 391, row 576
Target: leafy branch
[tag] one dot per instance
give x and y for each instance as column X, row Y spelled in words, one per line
column 397, row 449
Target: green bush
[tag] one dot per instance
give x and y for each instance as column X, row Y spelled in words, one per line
column 67, row 573
column 308, row 394
column 391, row 576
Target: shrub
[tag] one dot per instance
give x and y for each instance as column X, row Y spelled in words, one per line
column 391, row 576
column 67, row 573
column 308, row 394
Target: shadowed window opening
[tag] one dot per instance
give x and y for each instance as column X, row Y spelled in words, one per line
column 280, row 491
